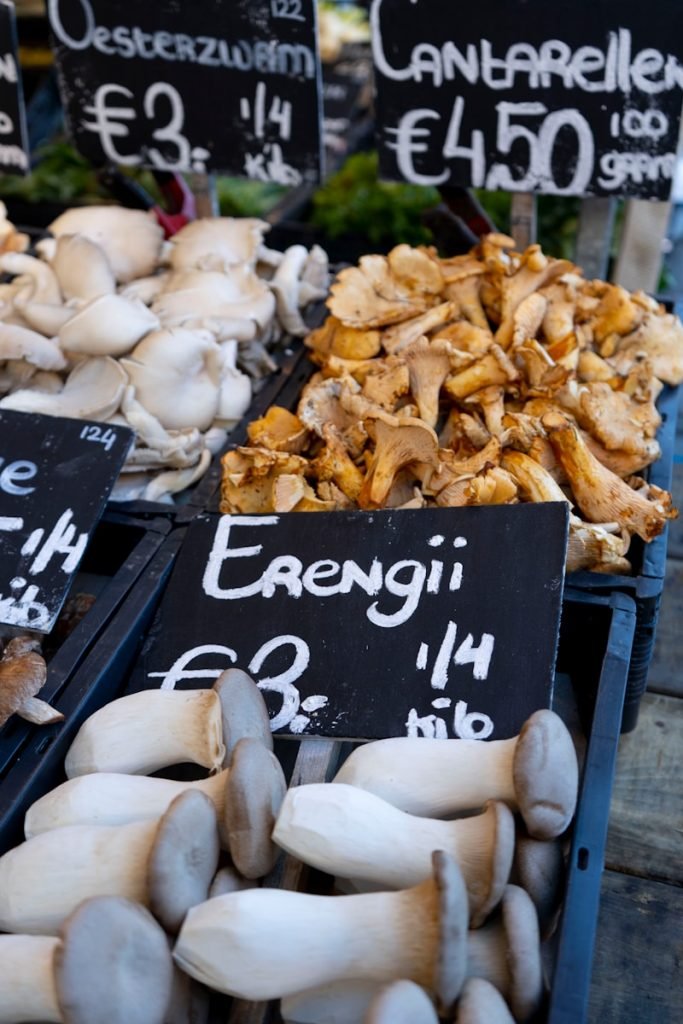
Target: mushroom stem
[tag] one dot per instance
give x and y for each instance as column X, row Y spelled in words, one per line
column 344, row 830
column 144, row 732
column 165, row 864
column 27, row 979
column 309, row 941
column 535, row 773
column 38, row 711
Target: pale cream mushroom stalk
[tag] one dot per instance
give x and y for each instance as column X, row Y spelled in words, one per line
column 110, row 964
column 251, row 790
column 166, row 864
column 535, row 772
column 418, row 934
column 346, row 831
column 21, row 343
column 143, row 732
column 40, row 280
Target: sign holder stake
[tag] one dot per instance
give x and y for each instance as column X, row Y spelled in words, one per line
column 203, row 188
column 523, row 219
column 596, row 223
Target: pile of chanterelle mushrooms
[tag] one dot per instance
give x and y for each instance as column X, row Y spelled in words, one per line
column 493, row 377
column 447, row 856
column 112, row 324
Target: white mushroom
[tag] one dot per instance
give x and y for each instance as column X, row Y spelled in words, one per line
column 146, row 289
column 166, row 864
column 217, row 243
column 285, row 285
column 175, row 480
column 176, row 374
column 235, row 395
column 131, row 239
column 20, row 343
column 44, row 286
column 110, row 965
column 107, row 326
column 343, row 830
column 234, row 304
column 82, row 268
column 535, row 772
column 144, row 732
column 93, row 390
column 40, row 316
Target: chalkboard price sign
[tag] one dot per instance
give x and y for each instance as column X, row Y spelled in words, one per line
column 55, row 477
column 526, row 95
column 433, row 622
column 208, row 85
column 14, row 158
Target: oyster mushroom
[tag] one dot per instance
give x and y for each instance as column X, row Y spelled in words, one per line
column 146, row 731
column 93, row 390
column 20, row 343
column 110, row 964
column 81, row 268
column 23, row 673
column 234, row 305
column 246, row 796
column 166, row 865
column 107, row 325
column 480, row 1002
column 176, row 375
column 399, row 441
column 343, row 830
column 402, row 1002
column 600, row 494
column 285, row 285
column 535, row 772
column 217, row 243
column 40, row 279
column 418, row 934
column 47, row 320
column 131, row 239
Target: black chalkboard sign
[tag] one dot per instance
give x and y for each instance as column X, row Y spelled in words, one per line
column 55, row 477
column 14, row 150
column 206, row 85
column 437, row 622
column 563, row 98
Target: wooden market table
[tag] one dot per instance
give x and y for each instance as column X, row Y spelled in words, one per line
column 638, row 968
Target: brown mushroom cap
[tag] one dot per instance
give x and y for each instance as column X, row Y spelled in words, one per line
column 546, row 775
column 481, row 1003
column 402, row 1002
column 451, row 965
column 183, row 859
column 486, row 895
column 539, row 868
column 22, row 674
column 113, row 965
column 253, row 797
column 244, row 711
column 523, row 953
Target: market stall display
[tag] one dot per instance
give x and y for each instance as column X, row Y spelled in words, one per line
column 489, row 378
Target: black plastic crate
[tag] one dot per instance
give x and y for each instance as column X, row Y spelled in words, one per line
column 649, row 568
column 84, row 673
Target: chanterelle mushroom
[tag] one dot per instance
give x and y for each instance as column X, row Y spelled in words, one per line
column 399, row 442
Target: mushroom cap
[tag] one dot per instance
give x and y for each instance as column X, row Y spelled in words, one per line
column 545, row 772
column 244, row 711
column 253, row 797
column 451, row 965
column 481, row 1003
column 93, row 390
column 402, row 1002
column 22, row 674
column 183, row 858
column 539, row 868
column 131, row 239
column 113, row 965
column 228, row 879
column 485, row 897
column 523, row 952
column 107, row 325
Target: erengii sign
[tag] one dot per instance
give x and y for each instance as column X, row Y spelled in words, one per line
column 562, row 98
